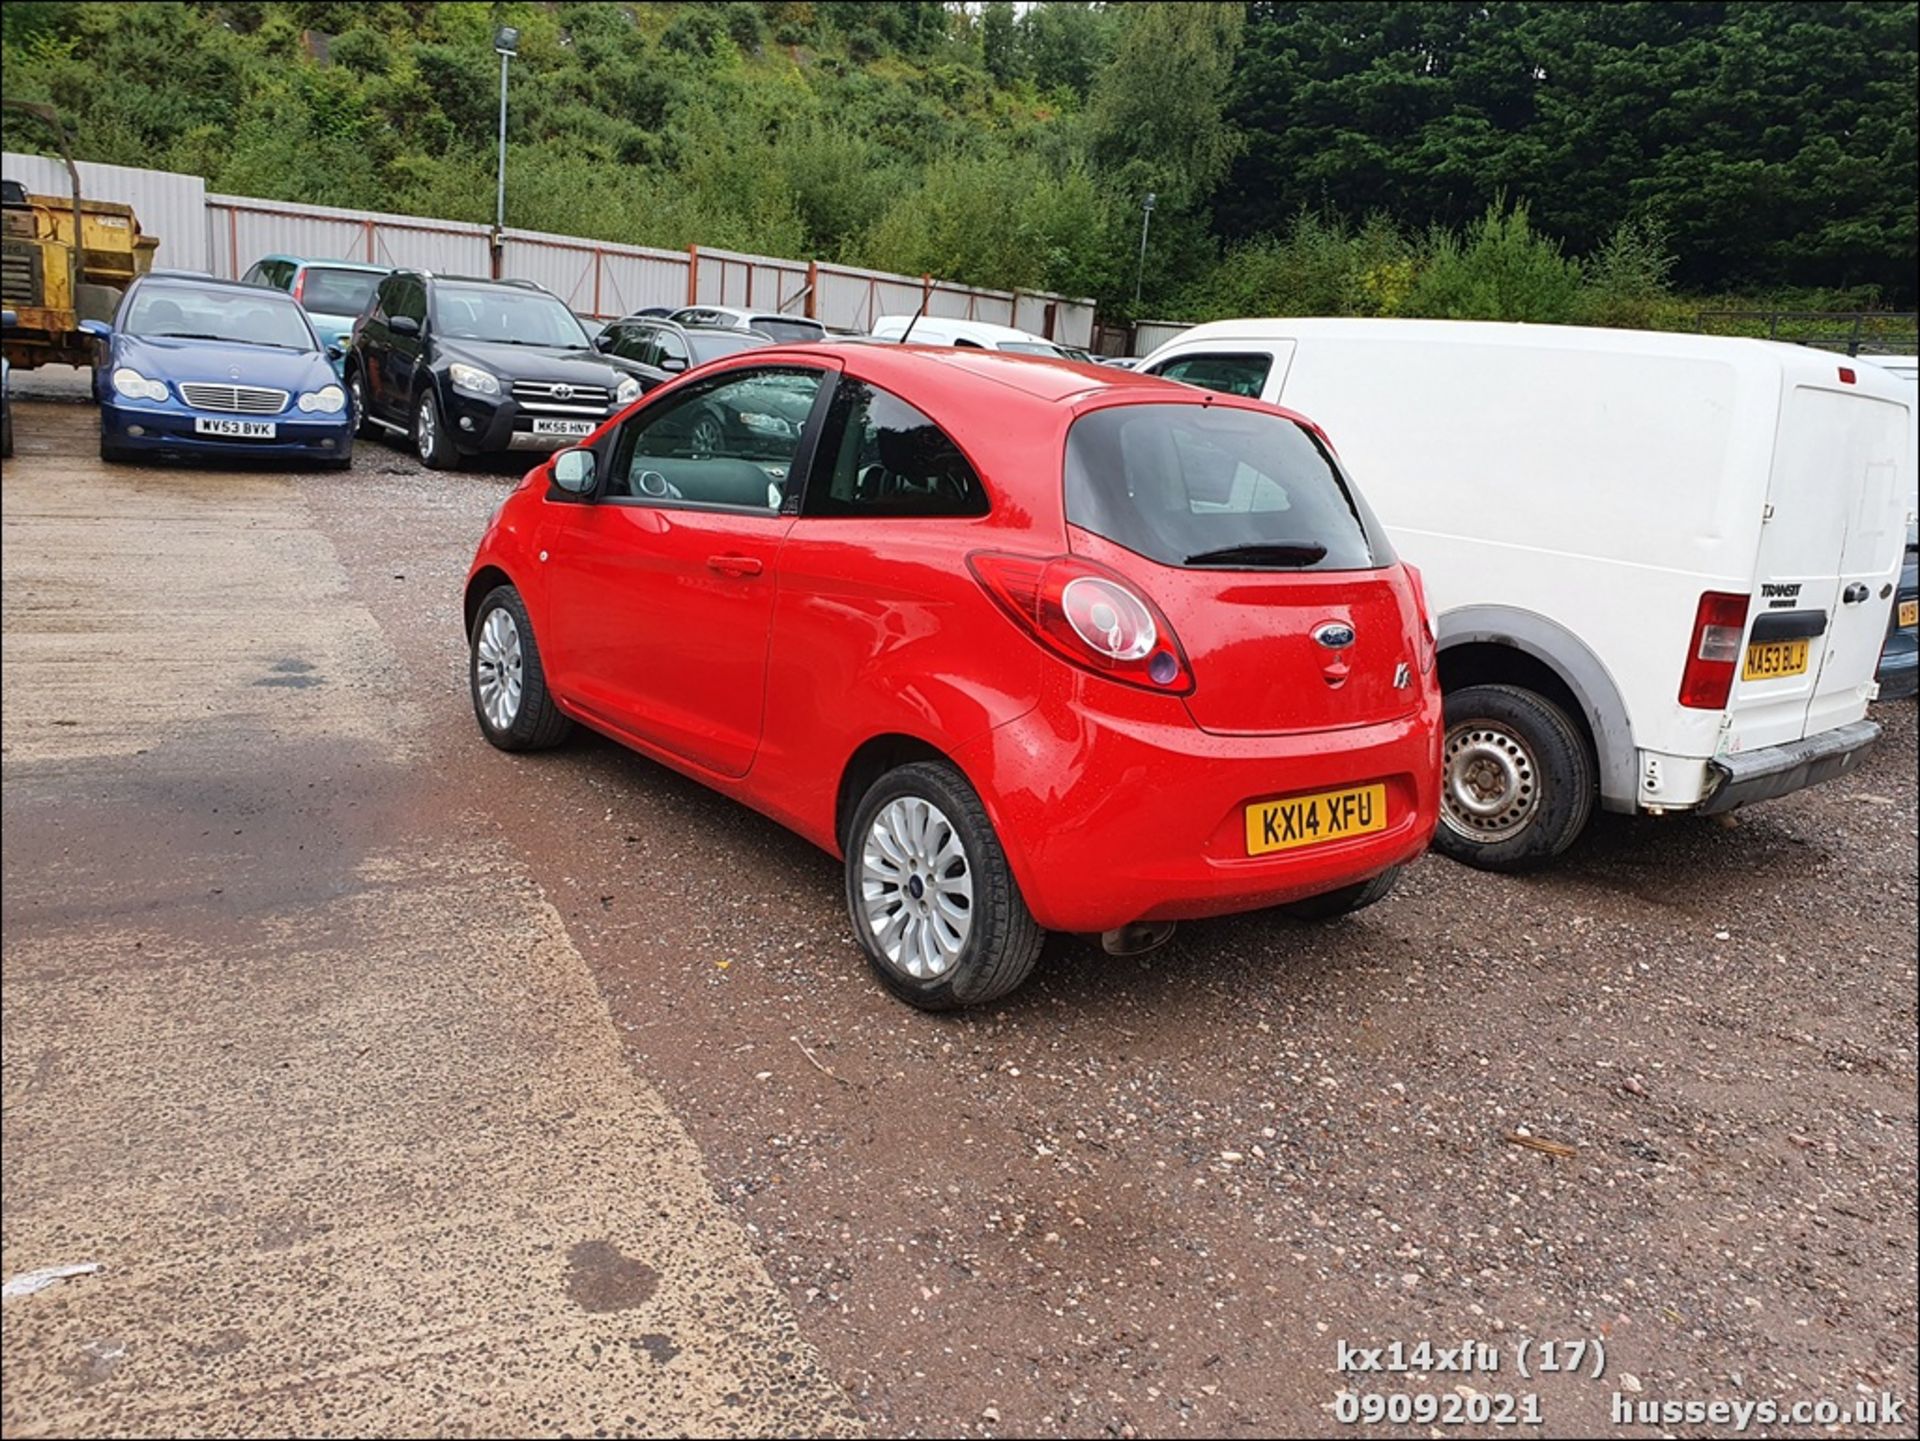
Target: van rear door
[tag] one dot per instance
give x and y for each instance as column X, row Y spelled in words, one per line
column 1831, row 543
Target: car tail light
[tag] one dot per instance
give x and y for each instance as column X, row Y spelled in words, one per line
column 1087, row 615
column 299, row 285
column 1429, row 647
column 1719, row 625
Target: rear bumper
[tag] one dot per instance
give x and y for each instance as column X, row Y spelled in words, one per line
column 1763, row 775
column 1115, row 808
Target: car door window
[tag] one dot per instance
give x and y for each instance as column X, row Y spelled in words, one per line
column 410, row 299
column 882, row 457
column 1238, row 373
column 731, row 441
column 254, row 275
column 668, row 345
column 639, row 343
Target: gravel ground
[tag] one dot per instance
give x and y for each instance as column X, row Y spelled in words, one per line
column 1150, row 1196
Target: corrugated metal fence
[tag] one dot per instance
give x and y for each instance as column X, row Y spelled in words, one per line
column 225, row 234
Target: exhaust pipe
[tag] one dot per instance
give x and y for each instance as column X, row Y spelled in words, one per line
column 1136, row 939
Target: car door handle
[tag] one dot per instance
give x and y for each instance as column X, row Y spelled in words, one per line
column 1856, row 593
column 735, row 565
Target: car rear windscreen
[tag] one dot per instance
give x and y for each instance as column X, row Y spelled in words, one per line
column 1216, row 486
column 788, row 331
column 337, row 292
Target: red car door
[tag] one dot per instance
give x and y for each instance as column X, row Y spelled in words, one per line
column 659, row 594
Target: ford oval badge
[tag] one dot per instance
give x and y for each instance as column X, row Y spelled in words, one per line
column 1334, row 635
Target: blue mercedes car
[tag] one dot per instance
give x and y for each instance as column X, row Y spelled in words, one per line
column 196, row 367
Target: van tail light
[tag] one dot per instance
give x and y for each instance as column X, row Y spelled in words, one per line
column 1719, row 625
column 1429, row 647
column 1088, row 616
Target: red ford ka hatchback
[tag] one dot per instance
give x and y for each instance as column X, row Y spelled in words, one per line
column 1031, row 645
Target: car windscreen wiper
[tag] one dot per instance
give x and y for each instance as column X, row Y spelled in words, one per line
column 1276, row 555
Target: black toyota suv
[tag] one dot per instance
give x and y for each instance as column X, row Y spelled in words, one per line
column 471, row 367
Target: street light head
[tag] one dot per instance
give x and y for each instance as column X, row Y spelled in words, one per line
column 1148, row 203
column 506, row 40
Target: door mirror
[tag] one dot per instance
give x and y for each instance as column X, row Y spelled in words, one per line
column 404, row 325
column 98, row 329
column 336, row 351
column 575, row 471
column 603, row 341
column 673, row 364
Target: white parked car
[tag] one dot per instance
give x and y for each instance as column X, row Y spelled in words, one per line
column 978, row 334
column 1660, row 566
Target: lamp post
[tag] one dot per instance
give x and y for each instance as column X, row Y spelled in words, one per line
column 1140, row 271
column 506, row 42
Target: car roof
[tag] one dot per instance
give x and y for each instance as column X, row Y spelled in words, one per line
column 1042, row 378
column 329, row 264
column 193, row 280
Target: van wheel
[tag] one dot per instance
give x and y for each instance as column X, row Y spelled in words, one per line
column 1517, row 780
column 510, row 697
column 933, row 901
column 1346, row 900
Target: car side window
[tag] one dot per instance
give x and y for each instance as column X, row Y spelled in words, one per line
column 409, row 299
column 731, row 441
column 882, row 457
column 641, row 343
column 1238, row 373
column 383, row 294
column 669, row 346
column 254, row 274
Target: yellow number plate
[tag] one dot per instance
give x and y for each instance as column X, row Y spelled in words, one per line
column 1770, row 660
column 1909, row 613
column 1309, row 820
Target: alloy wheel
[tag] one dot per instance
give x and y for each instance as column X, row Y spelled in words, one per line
column 916, row 887
column 497, row 667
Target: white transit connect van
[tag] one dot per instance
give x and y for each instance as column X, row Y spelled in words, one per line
column 1660, row 566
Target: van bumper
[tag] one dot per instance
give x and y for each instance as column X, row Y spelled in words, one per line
column 1762, row 775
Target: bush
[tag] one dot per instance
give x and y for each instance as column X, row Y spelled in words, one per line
column 1626, row 281
column 363, row 51
column 1503, row 270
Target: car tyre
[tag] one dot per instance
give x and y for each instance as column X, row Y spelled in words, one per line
column 508, row 684
column 6, row 434
column 357, row 405
column 1517, row 784
column 111, row 453
column 1346, row 900
column 430, row 439
column 920, row 853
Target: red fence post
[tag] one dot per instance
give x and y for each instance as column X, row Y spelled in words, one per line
column 233, row 240
column 367, row 225
column 693, row 275
column 598, row 255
